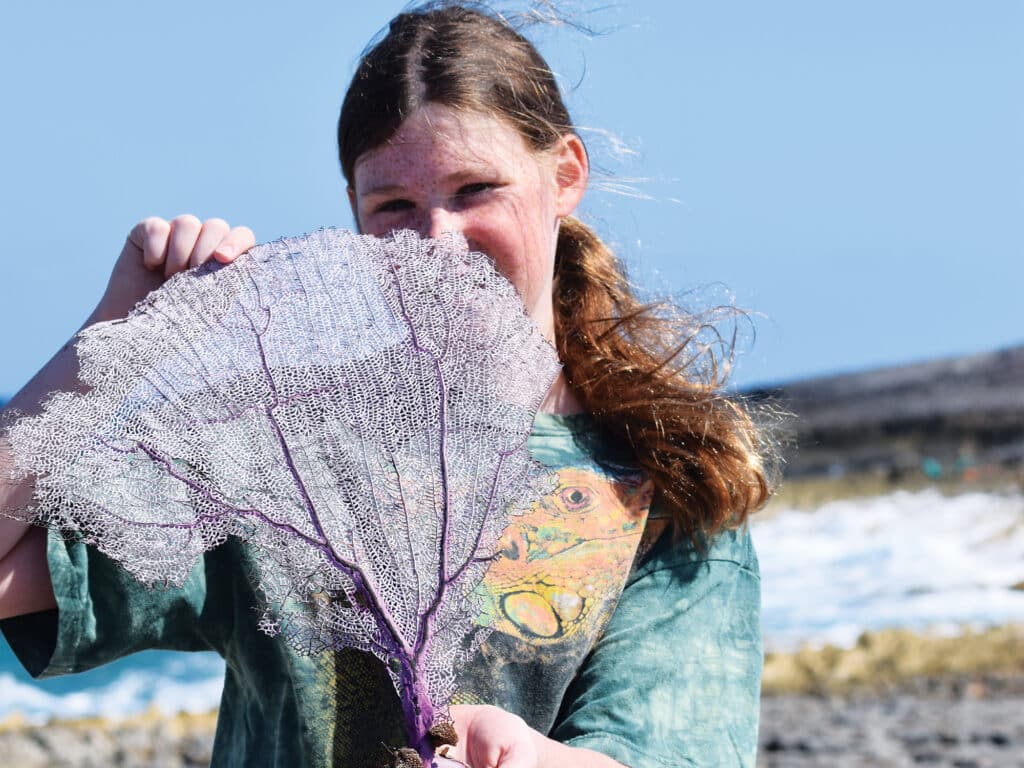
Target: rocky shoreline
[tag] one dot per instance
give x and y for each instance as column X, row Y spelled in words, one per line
column 895, row 698
column 898, row 698
column 152, row 740
column 958, row 721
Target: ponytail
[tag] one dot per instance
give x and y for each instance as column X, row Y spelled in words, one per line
column 637, row 369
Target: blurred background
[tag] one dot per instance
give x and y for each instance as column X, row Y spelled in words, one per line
column 851, row 174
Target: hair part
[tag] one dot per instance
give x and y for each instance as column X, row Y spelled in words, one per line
column 456, row 56
column 624, row 360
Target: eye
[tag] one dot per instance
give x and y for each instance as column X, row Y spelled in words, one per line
column 575, row 498
column 468, row 190
column 391, row 206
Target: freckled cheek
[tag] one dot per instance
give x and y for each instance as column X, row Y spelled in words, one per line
column 514, row 258
column 503, row 234
column 532, row 237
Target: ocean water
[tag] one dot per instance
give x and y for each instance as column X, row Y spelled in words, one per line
column 172, row 682
column 910, row 560
column 917, row 560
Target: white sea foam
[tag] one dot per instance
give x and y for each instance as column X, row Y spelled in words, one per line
column 911, row 560
column 171, row 683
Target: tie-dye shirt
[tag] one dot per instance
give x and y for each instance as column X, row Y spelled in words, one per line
column 606, row 635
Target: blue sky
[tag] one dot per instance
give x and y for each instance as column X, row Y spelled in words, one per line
column 851, row 172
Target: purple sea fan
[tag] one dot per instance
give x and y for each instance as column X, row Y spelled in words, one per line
column 355, row 408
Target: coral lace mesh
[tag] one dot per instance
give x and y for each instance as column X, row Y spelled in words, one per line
column 355, row 408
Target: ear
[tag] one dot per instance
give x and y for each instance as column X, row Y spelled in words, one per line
column 355, row 210
column 572, row 169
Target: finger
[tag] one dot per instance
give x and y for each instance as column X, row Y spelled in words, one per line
column 149, row 236
column 210, row 236
column 238, row 241
column 182, row 241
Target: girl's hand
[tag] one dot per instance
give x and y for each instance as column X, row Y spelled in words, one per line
column 490, row 737
column 157, row 249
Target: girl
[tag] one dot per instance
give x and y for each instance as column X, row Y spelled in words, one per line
column 627, row 632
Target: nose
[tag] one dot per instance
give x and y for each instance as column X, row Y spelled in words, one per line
column 439, row 221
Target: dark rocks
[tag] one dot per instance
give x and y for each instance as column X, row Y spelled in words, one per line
column 941, row 722
column 149, row 741
column 944, row 418
column 944, row 724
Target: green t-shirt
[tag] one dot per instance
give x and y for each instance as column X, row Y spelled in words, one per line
column 651, row 657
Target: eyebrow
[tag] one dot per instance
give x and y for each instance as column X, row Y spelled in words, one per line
column 384, row 189
column 458, row 176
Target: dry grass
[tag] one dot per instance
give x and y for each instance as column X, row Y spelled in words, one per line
column 808, row 494
column 178, row 725
column 884, row 660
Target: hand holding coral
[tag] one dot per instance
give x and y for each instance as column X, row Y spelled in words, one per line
column 490, row 737
column 156, row 249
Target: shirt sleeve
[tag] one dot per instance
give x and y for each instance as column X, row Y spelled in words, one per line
column 675, row 679
column 103, row 613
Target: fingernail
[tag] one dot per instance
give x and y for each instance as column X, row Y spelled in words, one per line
column 226, row 252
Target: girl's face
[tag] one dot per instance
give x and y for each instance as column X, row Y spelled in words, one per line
column 448, row 171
